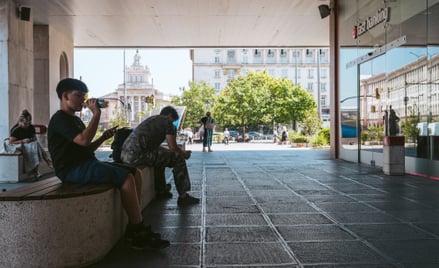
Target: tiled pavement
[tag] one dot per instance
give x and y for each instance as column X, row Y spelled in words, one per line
column 292, row 208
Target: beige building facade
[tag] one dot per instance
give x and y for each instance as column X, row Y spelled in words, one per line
column 131, row 96
column 307, row 67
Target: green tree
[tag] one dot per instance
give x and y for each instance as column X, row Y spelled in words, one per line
column 199, row 98
column 243, row 101
column 119, row 118
column 311, row 124
column 409, row 127
column 259, row 98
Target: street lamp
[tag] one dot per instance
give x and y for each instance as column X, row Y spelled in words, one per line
column 354, row 97
column 414, row 54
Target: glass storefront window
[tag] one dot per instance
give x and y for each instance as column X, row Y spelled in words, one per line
column 389, row 60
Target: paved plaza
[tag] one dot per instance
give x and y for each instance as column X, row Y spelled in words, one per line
column 268, row 205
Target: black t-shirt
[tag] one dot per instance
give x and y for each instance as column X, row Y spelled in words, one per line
column 21, row 133
column 66, row 154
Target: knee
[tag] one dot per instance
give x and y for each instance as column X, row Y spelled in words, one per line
column 129, row 182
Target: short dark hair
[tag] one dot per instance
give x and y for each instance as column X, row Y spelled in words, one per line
column 70, row 84
column 170, row 110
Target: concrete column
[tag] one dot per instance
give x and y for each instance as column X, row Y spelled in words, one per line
column 41, row 74
column 16, row 66
column 334, row 84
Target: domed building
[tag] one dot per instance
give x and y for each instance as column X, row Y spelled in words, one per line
column 136, row 96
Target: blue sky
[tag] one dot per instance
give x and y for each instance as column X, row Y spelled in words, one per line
column 102, row 69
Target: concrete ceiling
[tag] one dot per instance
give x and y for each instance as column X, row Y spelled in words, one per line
column 185, row 23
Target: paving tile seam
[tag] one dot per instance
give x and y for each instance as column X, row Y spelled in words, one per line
column 337, row 223
column 203, row 217
column 387, row 192
column 267, row 219
column 388, row 214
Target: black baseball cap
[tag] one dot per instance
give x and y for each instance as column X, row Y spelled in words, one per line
column 69, row 84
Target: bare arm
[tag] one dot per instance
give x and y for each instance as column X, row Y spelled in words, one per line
column 105, row 136
column 86, row 136
column 172, row 143
column 14, row 140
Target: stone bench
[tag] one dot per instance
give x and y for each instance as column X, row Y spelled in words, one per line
column 52, row 224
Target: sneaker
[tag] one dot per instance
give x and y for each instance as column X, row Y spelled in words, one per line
column 187, row 200
column 38, row 175
column 163, row 195
column 149, row 243
column 144, row 231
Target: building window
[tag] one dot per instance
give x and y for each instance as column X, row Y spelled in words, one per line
column 308, row 53
column 231, row 56
column 296, row 53
column 283, row 52
column 217, row 86
column 257, row 59
column 257, row 52
column 284, row 73
column 323, row 73
column 310, row 73
column 271, row 59
column 270, row 53
column 309, row 87
column 244, row 72
column 231, row 74
column 271, row 72
column 245, row 59
column 217, row 59
column 323, row 87
column 217, row 73
column 323, row 101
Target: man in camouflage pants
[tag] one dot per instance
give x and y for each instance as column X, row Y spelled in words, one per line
column 143, row 148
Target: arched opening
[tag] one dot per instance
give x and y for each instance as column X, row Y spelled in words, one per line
column 63, row 66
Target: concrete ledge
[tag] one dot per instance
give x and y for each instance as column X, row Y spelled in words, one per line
column 65, row 232
column 12, row 168
column 148, row 191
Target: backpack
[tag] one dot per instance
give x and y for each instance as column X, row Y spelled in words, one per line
column 119, row 138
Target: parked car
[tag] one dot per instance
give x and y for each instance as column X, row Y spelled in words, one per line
column 233, row 134
column 253, row 135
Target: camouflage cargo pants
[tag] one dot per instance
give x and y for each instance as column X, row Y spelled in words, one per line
column 160, row 160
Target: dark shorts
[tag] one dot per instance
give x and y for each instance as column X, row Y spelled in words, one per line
column 95, row 171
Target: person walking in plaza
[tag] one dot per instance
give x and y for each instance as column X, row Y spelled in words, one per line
column 209, row 125
column 72, row 147
column 143, row 148
column 226, row 134
column 23, row 138
column 284, row 135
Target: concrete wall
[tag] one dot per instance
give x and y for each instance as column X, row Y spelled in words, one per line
column 4, row 80
column 50, row 46
column 41, row 74
column 59, row 44
column 30, row 67
column 16, row 66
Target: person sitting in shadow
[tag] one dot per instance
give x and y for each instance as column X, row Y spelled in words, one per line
column 22, row 139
